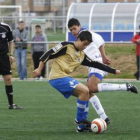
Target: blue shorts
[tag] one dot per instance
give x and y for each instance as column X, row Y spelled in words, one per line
column 96, row 75
column 64, row 85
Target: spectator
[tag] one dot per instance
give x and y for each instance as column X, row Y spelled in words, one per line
column 38, row 49
column 6, row 46
column 136, row 40
column 21, row 36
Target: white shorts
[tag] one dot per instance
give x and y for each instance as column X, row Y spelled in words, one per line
column 97, row 72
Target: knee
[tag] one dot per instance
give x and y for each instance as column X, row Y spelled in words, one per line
column 93, row 88
column 8, row 80
column 86, row 93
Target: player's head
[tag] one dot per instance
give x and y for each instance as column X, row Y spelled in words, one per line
column 38, row 28
column 74, row 26
column 21, row 25
column 83, row 40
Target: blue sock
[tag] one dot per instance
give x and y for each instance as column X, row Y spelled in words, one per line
column 86, row 110
column 81, row 105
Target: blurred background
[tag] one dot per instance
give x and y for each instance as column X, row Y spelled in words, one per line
column 116, row 21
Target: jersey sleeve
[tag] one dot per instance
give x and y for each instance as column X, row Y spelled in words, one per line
column 10, row 34
column 97, row 39
column 55, row 52
column 89, row 62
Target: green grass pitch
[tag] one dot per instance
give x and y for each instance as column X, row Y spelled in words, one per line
column 46, row 115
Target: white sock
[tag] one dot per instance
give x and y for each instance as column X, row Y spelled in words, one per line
column 111, row 87
column 94, row 100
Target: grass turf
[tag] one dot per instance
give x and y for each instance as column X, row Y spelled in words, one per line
column 46, row 115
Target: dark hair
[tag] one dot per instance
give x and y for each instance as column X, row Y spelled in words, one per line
column 21, row 21
column 85, row 35
column 72, row 22
column 38, row 26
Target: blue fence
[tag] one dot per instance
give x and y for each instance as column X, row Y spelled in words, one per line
column 117, row 36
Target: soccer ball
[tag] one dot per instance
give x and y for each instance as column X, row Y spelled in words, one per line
column 98, row 126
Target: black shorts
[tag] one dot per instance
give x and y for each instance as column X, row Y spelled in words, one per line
column 5, row 66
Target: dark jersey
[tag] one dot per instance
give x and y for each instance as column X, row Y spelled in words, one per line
column 6, row 36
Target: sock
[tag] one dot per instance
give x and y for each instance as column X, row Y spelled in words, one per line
column 98, row 107
column 111, row 87
column 81, row 105
column 86, row 110
column 9, row 92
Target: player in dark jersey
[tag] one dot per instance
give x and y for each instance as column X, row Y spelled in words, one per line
column 6, row 58
column 68, row 56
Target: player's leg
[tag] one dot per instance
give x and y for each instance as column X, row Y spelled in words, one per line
column 82, row 93
column 117, row 87
column 73, row 87
column 6, row 73
column 9, row 91
column 92, row 83
column 8, row 88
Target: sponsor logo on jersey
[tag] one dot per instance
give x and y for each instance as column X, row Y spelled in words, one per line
column 79, row 60
column 3, row 35
column 57, row 47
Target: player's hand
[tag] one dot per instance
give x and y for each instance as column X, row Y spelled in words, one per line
column 36, row 72
column 106, row 60
column 117, row 72
column 12, row 59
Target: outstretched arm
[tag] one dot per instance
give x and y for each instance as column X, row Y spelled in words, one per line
column 106, row 60
column 52, row 53
column 37, row 71
column 89, row 62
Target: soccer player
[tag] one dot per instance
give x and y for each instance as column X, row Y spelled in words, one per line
column 68, row 56
column 96, row 51
column 6, row 46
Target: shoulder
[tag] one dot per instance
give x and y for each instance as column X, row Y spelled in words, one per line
column 6, row 26
column 95, row 34
column 67, row 43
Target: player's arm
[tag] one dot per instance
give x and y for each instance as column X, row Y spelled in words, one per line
column 100, row 43
column 10, row 39
column 52, row 53
column 11, row 48
column 11, row 51
column 104, row 57
column 89, row 62
column 37, row 71
column 55, row 52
